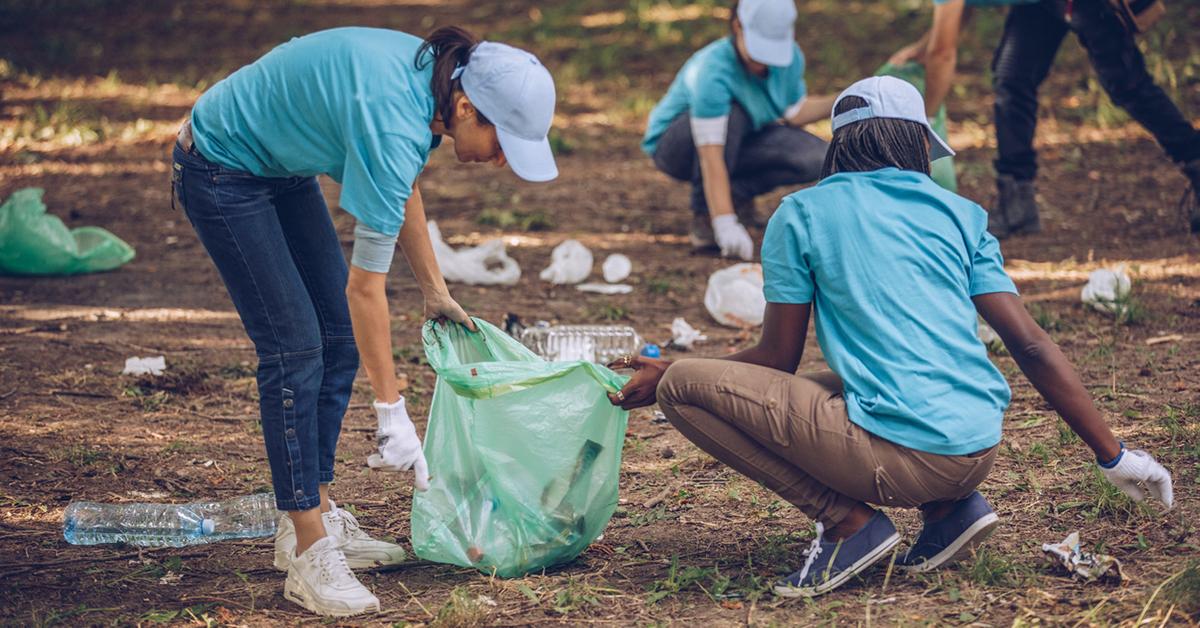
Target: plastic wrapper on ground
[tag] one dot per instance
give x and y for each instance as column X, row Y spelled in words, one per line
column 486, row 264
column 524, row 454
column 1083, row 565
column 734, row 297
column 33, row 242
column 570, row 262
column 1107, row 290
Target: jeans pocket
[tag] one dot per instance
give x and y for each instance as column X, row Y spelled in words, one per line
column 178, row 200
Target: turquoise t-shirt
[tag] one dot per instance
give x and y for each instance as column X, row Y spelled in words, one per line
column 891, row 260
column 346, row 102
column 713, row 78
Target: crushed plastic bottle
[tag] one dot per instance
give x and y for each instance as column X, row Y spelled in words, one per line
column 170, row 525
column 592, row 343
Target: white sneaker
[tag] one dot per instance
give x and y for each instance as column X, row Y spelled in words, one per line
column 362, row 551
column 321, row 581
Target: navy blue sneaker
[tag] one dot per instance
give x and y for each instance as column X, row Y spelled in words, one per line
column 831, row 563
column 954, row 536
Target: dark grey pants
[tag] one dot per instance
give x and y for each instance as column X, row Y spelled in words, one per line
column 1032, row 36
column 757, row 161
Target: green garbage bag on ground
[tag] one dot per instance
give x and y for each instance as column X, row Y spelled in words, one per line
column 33, row 242
column 942, row 170
column 524, row 454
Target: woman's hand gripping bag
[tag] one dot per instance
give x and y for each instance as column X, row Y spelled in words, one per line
column 524, row 454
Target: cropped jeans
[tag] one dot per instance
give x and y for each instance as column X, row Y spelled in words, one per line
column 274, row 244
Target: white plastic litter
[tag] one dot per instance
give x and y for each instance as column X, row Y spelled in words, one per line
column 605, row 288
column 570, row 262
column 684, row 336
column 486, row 264
column 735, row 296
column 616, row 268
column 1083, row 565
column 1107, row 289
column 145, row 366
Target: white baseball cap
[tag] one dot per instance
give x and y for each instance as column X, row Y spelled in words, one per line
column 515, row 91
column 890, row 97
column 769, row 30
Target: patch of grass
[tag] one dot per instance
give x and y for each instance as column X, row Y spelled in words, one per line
column 1044, row 317
column 559, row 143
column 1066, row 436
column 181, row 446
column 462, row 610
column 610, row 312
column 661, row 286
column 993, row 569
column 680, row 579
column 236, row 370
column 1184, row 590
column 1181, row 426
column 148, row 400
column 578, row 594
column 509, row 219
column 1102, row 498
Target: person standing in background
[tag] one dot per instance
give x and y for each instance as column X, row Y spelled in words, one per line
column 1033, row 32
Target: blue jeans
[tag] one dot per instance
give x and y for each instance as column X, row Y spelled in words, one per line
column 274, row 244
column 757, row 161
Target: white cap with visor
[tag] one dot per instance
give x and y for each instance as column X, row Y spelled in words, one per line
column 769, row 30
column 516, row 93
column 890, row 97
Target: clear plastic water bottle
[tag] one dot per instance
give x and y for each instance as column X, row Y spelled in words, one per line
column 593, row 343
column 170, row 525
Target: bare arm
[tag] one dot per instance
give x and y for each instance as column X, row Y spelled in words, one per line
column 371, row 321
column 941, row 53
column 418, row 250
column 813, row 108
column 717, row 191
column 367, row 296
column 785, row 327
column 1048, row 370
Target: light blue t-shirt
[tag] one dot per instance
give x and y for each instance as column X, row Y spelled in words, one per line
column 891, row 260
column 346, row 102
column 713, row 78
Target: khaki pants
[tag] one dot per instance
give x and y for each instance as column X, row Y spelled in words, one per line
column 791, row 434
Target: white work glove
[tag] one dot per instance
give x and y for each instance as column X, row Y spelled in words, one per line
column 399, row 447
column 732, row 237
column 1136, row 468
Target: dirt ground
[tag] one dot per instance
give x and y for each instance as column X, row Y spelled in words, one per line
column 92, row 92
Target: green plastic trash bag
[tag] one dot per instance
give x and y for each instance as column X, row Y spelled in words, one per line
column 524, row 454
column 33, row 242
column 942, row 170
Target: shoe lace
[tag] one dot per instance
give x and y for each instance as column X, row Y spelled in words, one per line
column 333, row 566
column 350, row 527
column 813, row 551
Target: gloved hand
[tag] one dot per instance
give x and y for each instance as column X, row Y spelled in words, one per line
column 399, row 447
column 1137, row 466
column 732, row 237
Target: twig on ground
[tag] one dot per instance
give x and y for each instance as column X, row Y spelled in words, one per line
column 658, row 499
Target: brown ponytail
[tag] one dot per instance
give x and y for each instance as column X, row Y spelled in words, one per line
column 449, row 47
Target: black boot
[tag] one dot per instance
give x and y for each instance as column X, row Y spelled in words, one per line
column 1191, row 197
column 1016, row 209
